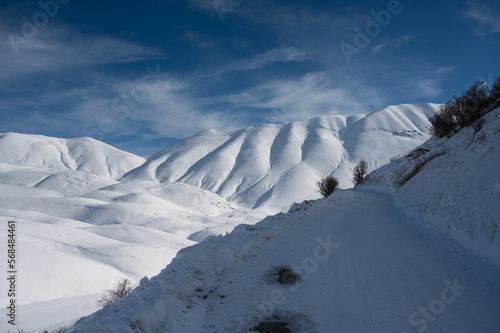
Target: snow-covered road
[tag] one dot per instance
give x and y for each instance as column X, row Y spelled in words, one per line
column 389, row 275
column 363, row 267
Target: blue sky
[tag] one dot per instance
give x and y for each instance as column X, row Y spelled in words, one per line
column 142, row 75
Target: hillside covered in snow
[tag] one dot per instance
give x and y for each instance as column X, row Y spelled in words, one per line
column 83, row 154
column 88, row 214
column 412, row 249
column 263, row 166
column 455, row 187
column 79, row 229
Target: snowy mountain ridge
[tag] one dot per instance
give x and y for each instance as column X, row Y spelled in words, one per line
column 262, row 166
column 256, row 167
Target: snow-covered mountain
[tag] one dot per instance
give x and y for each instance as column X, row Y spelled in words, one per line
column 414, row 248
column 270, row 166
column 257, row 167
column 88, row 214
column 83, row 154
column 78, row 229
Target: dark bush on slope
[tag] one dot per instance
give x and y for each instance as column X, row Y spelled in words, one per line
column 121, row 289
column 327, row 185
column 462, row 111
column 495, row 88
column 360, row 171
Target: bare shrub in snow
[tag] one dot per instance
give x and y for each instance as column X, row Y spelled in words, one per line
column 495, row 88
column 327, row 185
column 360, row 171
column 443, row 122
column 462, row 111
column 477, row 126
column 121, row 289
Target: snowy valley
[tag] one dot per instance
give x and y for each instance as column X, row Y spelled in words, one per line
column 410, row 251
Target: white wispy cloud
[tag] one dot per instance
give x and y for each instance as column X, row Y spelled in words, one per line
column 445, row 70
column 296, row 23
column 427, row 88
column 198, row 40
column 177, row 106
column 173, row 107
column 392, row 43
column 487, row 16
column 166, row 106
column 282, row 54
column 308, row 96
column 58, row 47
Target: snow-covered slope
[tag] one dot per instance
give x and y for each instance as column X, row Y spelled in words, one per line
column 457, row 188
column 84, row 154
column 353, row 263
column 77, row 233
column 270, row 166
column 89, row 214
column 396, row 254
column 72, row 248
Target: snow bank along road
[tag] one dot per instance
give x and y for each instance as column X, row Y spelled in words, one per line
column 363, row 266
